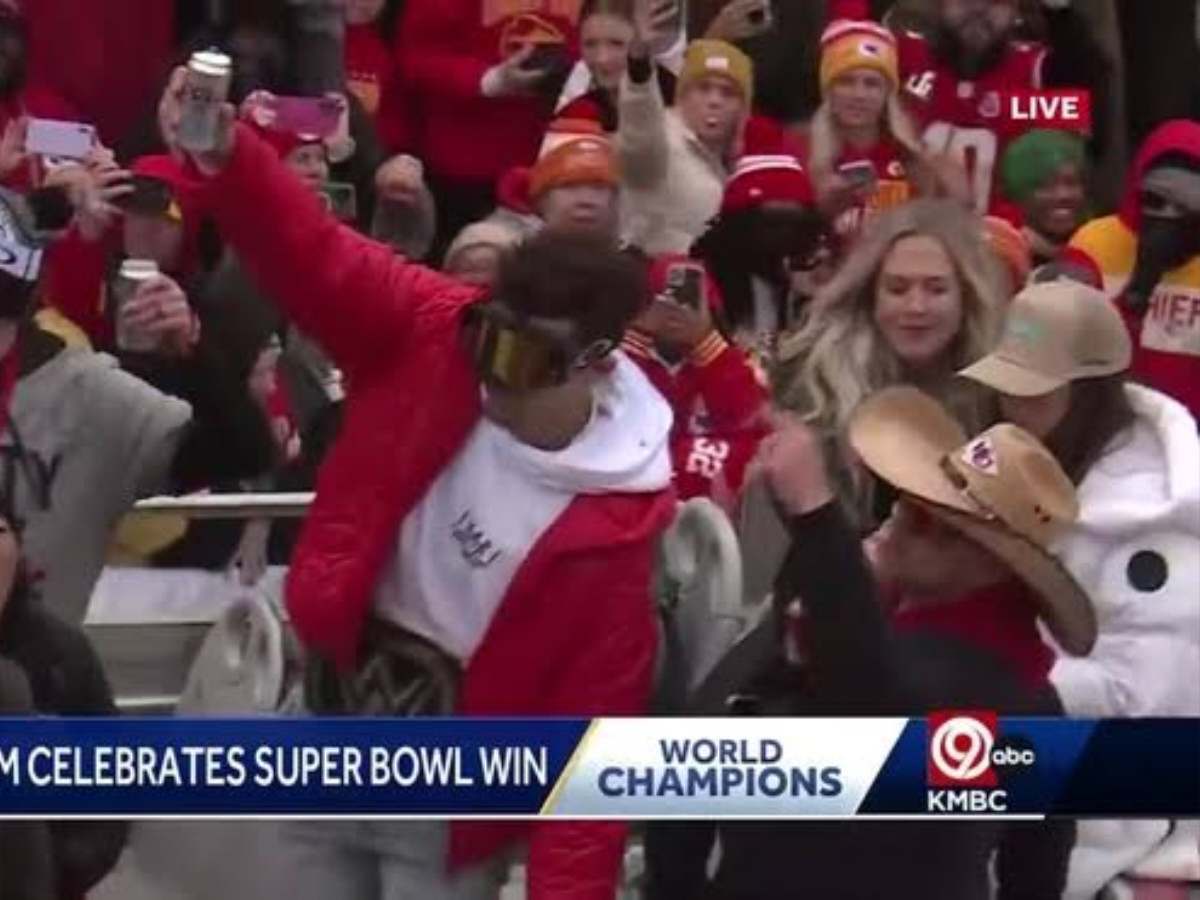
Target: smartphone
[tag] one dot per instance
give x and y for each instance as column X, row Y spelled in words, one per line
column 859, row 174
column 341, row 199
column 316, row 116
column 50, row 137
column 545, row 58
column 685, row 285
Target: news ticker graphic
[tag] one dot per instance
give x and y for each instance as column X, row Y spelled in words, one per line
column 954, row 763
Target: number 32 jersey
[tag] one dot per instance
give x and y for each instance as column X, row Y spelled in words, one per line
column 969, row 120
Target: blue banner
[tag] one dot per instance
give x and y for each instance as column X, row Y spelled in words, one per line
column 950, row 764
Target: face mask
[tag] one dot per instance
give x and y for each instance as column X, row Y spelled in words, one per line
column 1164, row 243
column 521, row 354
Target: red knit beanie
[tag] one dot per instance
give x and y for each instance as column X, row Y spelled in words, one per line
column 764, row 179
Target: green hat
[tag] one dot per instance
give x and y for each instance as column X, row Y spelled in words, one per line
column 1032, row 159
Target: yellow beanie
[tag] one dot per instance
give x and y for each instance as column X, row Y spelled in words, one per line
column 706, row 57
column 848, row 45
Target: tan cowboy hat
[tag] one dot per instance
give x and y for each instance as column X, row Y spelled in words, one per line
column 1002, row 489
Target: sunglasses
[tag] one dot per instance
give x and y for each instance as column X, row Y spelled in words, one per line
column 522, row 353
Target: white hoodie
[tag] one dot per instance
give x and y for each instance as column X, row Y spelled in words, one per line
column 461, row 546
column 1139, row 524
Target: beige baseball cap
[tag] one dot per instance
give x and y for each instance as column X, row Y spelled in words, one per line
column 1055, row 333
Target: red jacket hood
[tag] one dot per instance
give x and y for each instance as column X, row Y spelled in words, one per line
column 1176, row 136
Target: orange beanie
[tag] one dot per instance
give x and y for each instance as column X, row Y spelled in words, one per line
column 848, row 45
column 584, row 160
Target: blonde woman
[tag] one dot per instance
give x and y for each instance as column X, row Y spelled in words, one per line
column 919, row 297
column 864, row 151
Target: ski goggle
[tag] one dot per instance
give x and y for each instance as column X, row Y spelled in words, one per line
column 523, row 353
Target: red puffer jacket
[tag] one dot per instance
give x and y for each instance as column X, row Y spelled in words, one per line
column 393, row 328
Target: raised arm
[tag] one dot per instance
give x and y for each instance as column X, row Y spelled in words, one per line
column 352, row 294
column 642, row 131
column 847, row 641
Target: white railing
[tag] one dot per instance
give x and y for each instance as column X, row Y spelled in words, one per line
column 231, row 506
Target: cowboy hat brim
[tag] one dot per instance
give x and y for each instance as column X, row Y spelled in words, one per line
column 1062, row 603
column 902, row 435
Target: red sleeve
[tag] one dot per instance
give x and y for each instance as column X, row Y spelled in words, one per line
column 74, row 285
column 350, row 293
column 612, row 675
column 732, row 393
column 433, row 46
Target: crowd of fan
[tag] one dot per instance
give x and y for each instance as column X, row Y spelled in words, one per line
column 546, row 268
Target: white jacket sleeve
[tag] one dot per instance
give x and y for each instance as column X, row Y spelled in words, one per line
column 642, row 147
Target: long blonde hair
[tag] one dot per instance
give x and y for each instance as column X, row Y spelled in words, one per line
column 826, row 140
column 838, row 356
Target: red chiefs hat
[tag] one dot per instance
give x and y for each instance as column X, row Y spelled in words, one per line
column 764, row 179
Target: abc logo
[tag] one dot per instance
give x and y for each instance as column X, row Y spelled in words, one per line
column 963, row 751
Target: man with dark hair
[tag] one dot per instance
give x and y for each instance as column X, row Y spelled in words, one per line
column 485, row 523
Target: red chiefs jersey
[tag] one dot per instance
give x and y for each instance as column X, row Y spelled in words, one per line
column 967, row 119
column 718, row 399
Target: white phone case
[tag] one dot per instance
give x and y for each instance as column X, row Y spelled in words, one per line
column 49, row 137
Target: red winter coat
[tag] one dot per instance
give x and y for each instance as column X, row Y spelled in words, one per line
column 444, row 48
column 393, row 328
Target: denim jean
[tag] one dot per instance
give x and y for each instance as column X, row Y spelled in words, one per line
column 381, row 861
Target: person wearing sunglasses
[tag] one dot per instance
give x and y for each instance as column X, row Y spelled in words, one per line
column 1148, row 256
column 485, row 523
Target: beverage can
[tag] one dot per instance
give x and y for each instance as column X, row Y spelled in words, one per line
column 206, row 88
column 131, row 276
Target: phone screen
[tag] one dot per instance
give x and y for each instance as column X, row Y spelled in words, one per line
column 544, row 56
column 685, row 284
column 317, row 116
column 858, row 173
